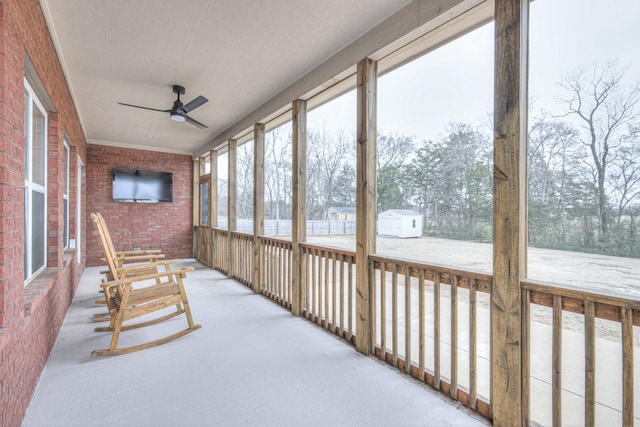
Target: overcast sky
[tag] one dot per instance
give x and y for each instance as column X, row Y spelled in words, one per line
column 455, row 82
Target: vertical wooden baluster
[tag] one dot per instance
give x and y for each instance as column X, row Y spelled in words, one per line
column 373, row 309
column 526, row 357
column 327, row 263
column 281, row 273
column 350, row 299
column 334, row 328
column 436, row 330
column 589, row 363
column 314, row 275
column 321, row 260
column 383, row 310
column 627, row 366
column 473, row 393
column 407, row 319
column 394, row 313
column 290, row 277
column 421, row 324
column 556, row 374
column 453, row 392
column 342, row 295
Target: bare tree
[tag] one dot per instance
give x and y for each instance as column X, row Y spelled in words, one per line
column 245, row 180
column 328, row 156
column 604, row 106
column 625, row 175
column 394, row 150
column 277, row 172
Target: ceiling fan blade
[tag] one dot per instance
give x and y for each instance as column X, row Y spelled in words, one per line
column 195, row 122
column 144, row 108
column 190, row 106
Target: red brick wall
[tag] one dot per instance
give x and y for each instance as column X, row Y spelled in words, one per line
column 31, row 316
column 165, row 225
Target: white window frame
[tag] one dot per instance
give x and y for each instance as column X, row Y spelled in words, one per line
column 78, row 241
column 30, row 187
column 65, row 193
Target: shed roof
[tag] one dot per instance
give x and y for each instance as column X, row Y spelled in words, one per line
column 402, row 212
column 343, row 209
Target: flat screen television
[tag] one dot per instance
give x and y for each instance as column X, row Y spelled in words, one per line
column 130, row 185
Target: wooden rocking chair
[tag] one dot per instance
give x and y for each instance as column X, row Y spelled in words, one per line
column 150, row 257
column 122, row 257
column 126, row 302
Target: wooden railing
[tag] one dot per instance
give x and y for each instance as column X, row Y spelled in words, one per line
column 221, row 256
column 328, row 288
column 580, row 317
column 241, row 257
column 433, row 322
column 418, row 308
column 275, row 272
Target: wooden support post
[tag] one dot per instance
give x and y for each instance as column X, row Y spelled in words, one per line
column 299, row 201
column 258, row 200
column 365, row 199
column 509, row 211
column 232, row 191
column 213, row 190
column 196, row 204
column 213, row 207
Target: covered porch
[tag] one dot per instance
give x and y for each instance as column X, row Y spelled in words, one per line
column 251, row 364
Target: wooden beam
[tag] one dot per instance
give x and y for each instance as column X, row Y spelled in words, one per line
column 232, row 191
column 213, row 208
column 365, row 199
column 258, row 200
column 299, row 200
column 213, row 189
column 196, row 204
column 509, row 210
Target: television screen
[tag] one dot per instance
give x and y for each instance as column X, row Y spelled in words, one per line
column 142, row 186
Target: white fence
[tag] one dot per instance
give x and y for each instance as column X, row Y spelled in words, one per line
column 282, row 227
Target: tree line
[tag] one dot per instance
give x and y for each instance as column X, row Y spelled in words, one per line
column 583, row 171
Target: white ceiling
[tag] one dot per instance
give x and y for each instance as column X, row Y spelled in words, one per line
column 236, row 53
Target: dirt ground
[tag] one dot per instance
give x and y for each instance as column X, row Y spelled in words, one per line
column 613, row 275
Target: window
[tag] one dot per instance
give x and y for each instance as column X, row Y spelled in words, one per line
column 331, row 172
column 244, row 200
column 204, row 203
column 223, row 190
column 65, row 195
column 35, row 183
column 277, row 181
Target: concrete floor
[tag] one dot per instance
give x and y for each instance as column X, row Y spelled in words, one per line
column 251, row 364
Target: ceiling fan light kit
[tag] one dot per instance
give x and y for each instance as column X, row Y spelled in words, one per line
column 179, row 111
column 177, row 117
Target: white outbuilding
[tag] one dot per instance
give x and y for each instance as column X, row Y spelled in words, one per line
column 401, row 223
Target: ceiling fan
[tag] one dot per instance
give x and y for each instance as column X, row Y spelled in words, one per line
column 179, row 111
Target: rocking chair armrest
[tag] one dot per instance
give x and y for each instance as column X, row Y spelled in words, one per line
column 182, row 271
column 139, row 252
column 145, row 266
column 138, row 257
column 129, row 258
